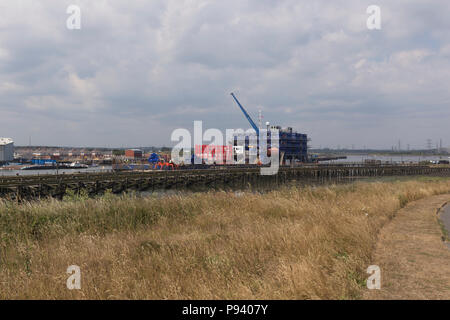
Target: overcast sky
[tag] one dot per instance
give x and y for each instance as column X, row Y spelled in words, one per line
column 137, row 70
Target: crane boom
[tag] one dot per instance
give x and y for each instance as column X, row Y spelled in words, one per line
column 246, row 114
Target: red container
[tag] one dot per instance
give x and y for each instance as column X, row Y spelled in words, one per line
column 214, row 154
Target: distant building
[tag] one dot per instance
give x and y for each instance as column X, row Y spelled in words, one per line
column 6, row 150
column 133, row 153
column 56, row 156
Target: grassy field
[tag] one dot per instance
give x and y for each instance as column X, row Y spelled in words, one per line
column 292, row 243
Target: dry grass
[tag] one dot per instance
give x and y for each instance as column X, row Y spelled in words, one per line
column 309, row 243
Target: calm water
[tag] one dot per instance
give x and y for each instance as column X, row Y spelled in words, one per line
column 445, row 218
column 394, row 159
column 350, row 158
column 61, row 171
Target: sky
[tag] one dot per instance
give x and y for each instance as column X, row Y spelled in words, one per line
column 137, row 70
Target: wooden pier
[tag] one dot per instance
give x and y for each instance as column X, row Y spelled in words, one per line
column 32, row 187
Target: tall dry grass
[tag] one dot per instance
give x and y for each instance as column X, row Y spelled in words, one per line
column 308, row 243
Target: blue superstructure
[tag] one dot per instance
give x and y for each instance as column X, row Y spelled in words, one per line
column 42, row 162
column 293, row 145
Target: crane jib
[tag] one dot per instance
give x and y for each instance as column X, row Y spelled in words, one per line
column 254, row 126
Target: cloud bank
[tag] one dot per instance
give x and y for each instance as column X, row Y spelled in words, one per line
column 139, row 69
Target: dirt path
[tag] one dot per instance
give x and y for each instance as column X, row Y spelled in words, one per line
column 414, row 261
column 445, row 219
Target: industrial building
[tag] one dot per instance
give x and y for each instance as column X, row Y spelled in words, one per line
column 133, row 154
column 6, row 150
column 293, row 146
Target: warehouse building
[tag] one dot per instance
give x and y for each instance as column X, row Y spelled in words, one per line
column 6, row 150
column 133, row 154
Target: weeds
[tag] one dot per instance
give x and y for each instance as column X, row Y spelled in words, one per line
column 291, row 243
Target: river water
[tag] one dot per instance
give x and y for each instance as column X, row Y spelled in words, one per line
column 392, row 159
column 445, row 218
column 60, row 171
column 350, row 159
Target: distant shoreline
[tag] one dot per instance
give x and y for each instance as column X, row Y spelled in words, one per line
column 380, row 153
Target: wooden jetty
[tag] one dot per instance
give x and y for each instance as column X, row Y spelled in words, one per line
column 31, row 187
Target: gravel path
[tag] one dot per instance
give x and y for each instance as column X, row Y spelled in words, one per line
column 414, row 261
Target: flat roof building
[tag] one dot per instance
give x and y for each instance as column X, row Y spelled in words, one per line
column 6, row 150
column 133, row 153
